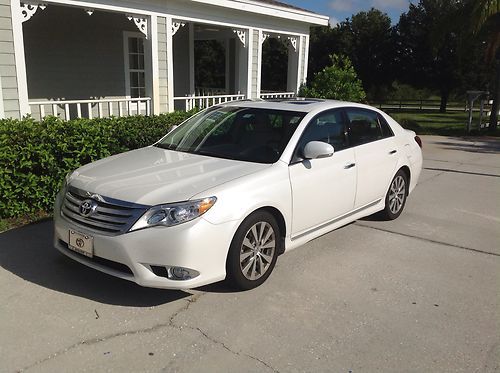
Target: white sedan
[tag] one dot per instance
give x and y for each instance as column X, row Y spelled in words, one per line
column 232, row 188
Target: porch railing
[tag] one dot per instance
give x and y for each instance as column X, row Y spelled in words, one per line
column 71, row 109
column 277, row 95
column 202, row 102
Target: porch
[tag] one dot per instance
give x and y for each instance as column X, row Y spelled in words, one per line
column 102, row 61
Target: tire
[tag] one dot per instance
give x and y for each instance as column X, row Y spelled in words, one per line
column 250, row 262
column 395, row 198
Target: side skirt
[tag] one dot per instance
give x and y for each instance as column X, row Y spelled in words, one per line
column 335, row 223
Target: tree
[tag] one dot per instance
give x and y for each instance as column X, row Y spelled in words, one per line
column 337, row 81
column 486, row 17
column 367, row 38
column 428, row 37
column 324, row 41
column 210, row 64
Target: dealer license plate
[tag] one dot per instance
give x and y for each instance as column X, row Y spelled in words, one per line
column 81, row 243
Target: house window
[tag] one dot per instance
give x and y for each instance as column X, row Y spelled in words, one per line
column 135, row 67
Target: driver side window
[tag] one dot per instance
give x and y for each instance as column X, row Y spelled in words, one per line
column 328, row 127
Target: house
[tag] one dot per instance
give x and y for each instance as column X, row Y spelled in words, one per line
column 95, row 58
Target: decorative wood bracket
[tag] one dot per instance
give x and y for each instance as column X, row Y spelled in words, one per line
column 141, row 23
column 28, row 10
column 176, row 25
column 263, row 37
column 293, row 42
column 242, row 35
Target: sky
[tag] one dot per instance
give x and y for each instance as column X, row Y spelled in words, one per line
column 339, row 10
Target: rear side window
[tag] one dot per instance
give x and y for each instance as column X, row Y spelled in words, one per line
column 386, row 129
column 366, row 126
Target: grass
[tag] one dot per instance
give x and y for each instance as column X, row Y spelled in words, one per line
column 436, row 123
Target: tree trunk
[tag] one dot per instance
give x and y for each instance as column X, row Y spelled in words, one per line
column 496, row 99
column 444, row 101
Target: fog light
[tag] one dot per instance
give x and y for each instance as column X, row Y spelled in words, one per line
column 181, row 274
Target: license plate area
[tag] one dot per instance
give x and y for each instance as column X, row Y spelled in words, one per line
column 81, row 243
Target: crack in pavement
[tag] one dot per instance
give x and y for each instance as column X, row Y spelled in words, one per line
column 428, row 240
column 108, row 337
column 170, row 324
column 220, row 343
column 232, row 351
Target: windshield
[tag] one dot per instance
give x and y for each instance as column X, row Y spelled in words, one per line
column 246, row 134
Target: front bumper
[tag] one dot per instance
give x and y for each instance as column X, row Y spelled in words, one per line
column 197, row 245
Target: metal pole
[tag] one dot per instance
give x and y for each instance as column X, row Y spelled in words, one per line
column 481, row 112
column 469, row 121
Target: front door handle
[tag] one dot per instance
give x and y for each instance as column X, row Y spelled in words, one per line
column 393, row 152
column 350, row 165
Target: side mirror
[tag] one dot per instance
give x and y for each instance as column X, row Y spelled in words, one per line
column 317, row 149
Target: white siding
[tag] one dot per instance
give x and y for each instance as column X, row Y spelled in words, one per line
column 255, row 63
column 7, row 63
column 162, row 63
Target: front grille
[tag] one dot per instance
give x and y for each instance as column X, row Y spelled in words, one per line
column 111, row 216
column 101, row 261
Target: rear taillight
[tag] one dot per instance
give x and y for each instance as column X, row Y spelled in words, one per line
column 418, row 140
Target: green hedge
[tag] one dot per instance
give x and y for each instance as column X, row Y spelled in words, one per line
column 35, row 156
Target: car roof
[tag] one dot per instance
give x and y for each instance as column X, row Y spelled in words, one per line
column 303, row 105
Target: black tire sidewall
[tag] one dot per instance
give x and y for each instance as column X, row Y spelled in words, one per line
column 235, row 277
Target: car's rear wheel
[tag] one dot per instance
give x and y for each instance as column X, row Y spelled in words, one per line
column 395, row 198
column 253, row 252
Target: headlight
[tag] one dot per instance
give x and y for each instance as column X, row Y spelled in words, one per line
column 173, row 214
column 69, row 176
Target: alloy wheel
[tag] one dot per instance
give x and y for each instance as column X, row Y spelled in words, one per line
column 397, row 194
column 257, row 250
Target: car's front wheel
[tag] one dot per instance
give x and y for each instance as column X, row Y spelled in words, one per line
column 253, row 251
column 395, row 198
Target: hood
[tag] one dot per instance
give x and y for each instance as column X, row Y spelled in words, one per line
column 152, row 176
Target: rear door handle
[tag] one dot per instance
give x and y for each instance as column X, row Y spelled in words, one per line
column 350, row 165
column 393, row 152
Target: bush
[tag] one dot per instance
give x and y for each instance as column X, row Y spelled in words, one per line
column 35, row 156
column 338, row 81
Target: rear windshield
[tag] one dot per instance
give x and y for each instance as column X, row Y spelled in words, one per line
column 246, row 134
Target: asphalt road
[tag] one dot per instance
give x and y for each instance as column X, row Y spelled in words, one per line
column 419, row 294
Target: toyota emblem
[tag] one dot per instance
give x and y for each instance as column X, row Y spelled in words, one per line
column 87, row 207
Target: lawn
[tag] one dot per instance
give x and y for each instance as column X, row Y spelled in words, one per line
column 436, row 123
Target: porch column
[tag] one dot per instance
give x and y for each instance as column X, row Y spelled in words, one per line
column 191, row 59
column 294, row 64
column 170, row 65
column 306, row 58
column 155, row 67
column 227, row 82
column 243, row 62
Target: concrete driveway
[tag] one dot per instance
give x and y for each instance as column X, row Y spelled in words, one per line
column 418, row 294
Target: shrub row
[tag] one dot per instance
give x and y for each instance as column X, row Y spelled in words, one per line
column 36, row 155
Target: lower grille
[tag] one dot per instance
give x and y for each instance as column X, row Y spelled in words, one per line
column 101, row 261
column 110, row 216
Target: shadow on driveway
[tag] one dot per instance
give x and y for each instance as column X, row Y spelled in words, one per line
column 485, row 145
column 28, row 253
